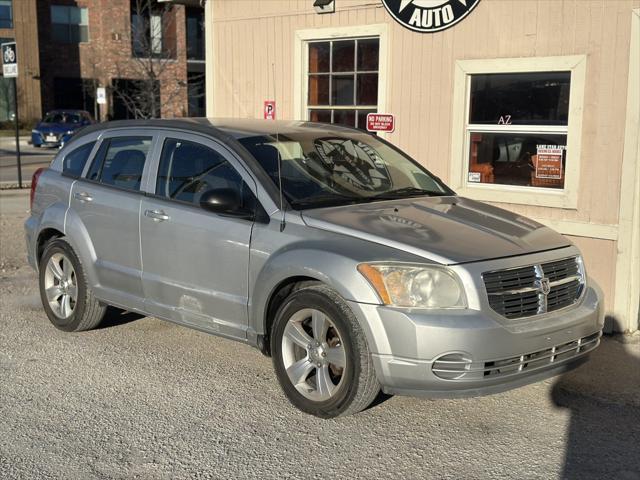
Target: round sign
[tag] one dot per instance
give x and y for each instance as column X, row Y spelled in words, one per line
column 428, row 16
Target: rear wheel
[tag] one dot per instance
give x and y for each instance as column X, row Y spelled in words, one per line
column 320, row 354
column 65, row 295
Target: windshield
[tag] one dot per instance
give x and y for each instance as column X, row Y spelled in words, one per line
column 62, row 117
column 339, row 169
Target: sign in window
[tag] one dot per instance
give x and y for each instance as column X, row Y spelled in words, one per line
column 517, row 129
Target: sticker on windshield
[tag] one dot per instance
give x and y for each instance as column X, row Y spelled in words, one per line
column 354, row 162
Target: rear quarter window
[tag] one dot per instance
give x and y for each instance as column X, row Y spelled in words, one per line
column 74, row 161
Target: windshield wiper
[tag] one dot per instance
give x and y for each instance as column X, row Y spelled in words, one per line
column 406, row 192
column 324, row 199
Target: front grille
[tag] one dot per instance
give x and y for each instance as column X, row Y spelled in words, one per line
column 452, row 367
column 535, row 289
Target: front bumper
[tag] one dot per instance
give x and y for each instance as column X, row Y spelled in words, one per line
column 49, row 140
column 476, row 352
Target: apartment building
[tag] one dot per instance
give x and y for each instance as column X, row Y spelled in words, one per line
column 72, row 48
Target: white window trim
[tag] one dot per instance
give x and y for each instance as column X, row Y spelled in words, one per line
column 547, row 197
column 301, row 54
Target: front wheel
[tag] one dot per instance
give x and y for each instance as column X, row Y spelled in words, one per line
column 321, row 356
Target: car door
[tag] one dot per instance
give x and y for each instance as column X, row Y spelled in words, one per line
column 195, row 263
column 107, row 202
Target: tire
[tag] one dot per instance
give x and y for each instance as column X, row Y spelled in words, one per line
column 79, row 313
column 323, row 372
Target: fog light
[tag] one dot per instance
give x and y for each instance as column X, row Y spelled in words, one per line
column 451, row 366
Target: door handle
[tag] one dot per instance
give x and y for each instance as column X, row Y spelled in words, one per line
column 83, row 197
column 157, row 215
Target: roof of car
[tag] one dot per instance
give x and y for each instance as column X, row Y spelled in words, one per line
column 220, row 127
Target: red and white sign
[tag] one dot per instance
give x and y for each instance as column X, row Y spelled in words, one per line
column 269, row 109
column 381, row 122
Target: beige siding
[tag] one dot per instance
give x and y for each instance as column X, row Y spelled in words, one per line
column 252, row 35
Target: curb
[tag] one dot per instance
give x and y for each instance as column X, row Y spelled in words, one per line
column 26, row 185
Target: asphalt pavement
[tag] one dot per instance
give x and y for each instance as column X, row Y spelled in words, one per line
column 31, row 159
column 143, row 398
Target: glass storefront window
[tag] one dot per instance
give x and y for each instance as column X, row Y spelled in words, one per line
column 517, row 129
column 342, row 81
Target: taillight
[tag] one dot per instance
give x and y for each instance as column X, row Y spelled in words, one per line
column 34, row 184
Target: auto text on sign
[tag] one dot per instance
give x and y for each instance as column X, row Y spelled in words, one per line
column 380, row 122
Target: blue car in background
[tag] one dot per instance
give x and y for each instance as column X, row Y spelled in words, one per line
column 58, row 126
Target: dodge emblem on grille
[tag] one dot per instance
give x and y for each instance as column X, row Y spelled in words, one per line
column 543, row 285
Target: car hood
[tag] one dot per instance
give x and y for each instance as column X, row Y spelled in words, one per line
column 56, row 127
column 447, row 230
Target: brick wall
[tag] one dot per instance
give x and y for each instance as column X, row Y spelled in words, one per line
column 107, row 55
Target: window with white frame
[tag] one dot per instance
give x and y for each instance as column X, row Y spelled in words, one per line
column 517, row 129
column 342, row 80
column 517, row 126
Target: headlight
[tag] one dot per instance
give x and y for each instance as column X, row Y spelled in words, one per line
column 35, row 131
column 418, row 286
column 70, row 132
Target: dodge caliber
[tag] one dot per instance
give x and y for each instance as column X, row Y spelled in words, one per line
column 327, row 248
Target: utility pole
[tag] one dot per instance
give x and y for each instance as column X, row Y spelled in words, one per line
column 10, row 70
column 16, row 117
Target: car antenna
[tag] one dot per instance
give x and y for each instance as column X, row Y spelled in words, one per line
column 282, row 220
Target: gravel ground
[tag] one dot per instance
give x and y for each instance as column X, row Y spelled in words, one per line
column 142, row 398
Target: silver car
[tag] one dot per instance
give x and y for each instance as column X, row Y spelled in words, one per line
column 327, row 248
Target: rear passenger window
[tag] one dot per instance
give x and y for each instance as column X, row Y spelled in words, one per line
column 74, row 161
column 120, row 162
column 187, row 170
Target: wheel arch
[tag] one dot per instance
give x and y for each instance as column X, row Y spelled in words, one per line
column 292, row 269
column 276, row 298
column 45, row 236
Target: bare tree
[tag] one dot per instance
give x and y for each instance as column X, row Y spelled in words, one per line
column 152, row 35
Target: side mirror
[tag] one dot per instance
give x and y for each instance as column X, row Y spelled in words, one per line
column 224, row 201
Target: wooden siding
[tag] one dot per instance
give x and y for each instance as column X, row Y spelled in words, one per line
column 25, row 33
column 249, row 36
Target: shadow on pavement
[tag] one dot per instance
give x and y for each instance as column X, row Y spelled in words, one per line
column 29, row 152
column 603, row 396
column 116, row 317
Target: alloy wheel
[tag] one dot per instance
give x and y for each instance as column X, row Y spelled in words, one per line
column 313, row 354
column 60, row 285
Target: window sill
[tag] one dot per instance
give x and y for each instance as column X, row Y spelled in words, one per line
column 535, row 196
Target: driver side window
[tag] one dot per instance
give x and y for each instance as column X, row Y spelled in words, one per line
column 188, row 170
